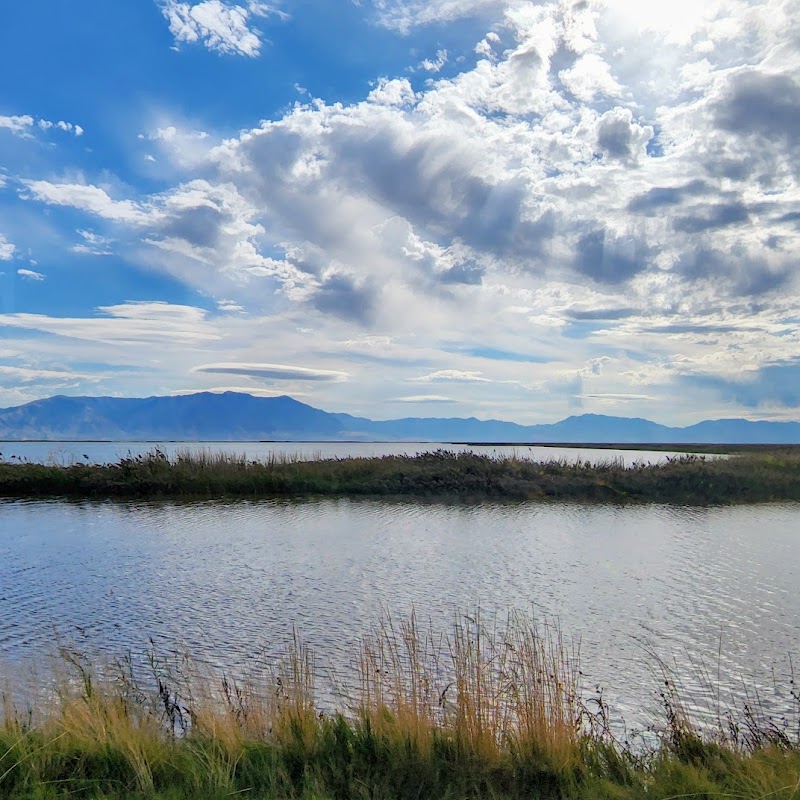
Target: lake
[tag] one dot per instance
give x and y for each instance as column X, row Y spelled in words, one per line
column 705, row 588
column 65, row 453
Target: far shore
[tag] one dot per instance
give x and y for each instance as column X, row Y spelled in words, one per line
column 720, row 448
column 749, row 475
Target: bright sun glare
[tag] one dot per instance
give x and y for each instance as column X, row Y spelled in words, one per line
column 677, row 19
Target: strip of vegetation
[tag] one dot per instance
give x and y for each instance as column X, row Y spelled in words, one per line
column 769, row 475
column 483, row 712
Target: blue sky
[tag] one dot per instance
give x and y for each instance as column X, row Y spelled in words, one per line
column 520, row 210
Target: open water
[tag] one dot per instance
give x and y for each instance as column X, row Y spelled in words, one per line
column 713, row 591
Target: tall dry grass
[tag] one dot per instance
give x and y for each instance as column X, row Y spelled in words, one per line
column 489, row 709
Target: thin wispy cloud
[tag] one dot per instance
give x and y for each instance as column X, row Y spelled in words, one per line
column 454, row 375
column 92, row 244
column 30, row 275
column 404, row 15
column 278, row 372
column 424, row 398
column 93, row 199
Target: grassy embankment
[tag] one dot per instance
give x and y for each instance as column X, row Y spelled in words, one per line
column 479, row 713
column 753, row 476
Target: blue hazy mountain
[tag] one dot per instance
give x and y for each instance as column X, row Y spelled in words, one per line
column 232, row 416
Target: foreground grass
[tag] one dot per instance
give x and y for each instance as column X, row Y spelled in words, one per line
column 479, row 713
column 754, row 476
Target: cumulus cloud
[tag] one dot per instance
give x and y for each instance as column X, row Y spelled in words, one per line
column 619, row 137
column 22, row 125
column 589, row 78
column 609, row 259
column 17, row 124
column 61, row 125
column 761, row 104
column 218, row 25
column 278, row 372
column 395, row 92
column 346, row 297
column 434, row 65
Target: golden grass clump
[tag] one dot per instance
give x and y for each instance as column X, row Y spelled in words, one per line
column 492, row 691
column 482, row 710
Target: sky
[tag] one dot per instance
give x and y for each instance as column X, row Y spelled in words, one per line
column 495, row 208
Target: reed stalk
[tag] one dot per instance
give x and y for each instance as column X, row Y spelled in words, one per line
column 487, row 709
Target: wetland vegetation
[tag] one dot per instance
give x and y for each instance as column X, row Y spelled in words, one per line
column 749, row 475
column 483, row 711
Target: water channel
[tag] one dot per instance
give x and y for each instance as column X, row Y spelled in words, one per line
column 709, row 590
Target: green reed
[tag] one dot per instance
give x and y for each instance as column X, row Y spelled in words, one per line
column 486, row 710
column 770, row 474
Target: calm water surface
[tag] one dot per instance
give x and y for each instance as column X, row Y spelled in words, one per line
column 700, row 586
column 108, row 452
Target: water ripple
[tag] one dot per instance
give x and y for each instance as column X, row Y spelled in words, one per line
column 710, row 590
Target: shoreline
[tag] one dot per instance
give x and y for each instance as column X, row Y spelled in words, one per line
column 494, row 710
column 764, row 474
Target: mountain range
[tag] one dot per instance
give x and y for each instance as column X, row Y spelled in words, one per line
column 234, row 416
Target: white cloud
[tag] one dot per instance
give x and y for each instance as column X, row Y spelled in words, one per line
column 89, row 198
column 395, row 92
column 229, row 306
column 67, row 127
column 7, row 249
column 619, row 396
column 434, row 65
column 402, row 15
column 589, row 78
column 48, row 376
column 18, row 125
column 221, row 26
column 180, row 145
column 454, row 375
column 126, row 324
column 172, row 133
column 93, row 244
column 30, row 275
column 279, row 372
column 424, row 398
column 21, row 125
